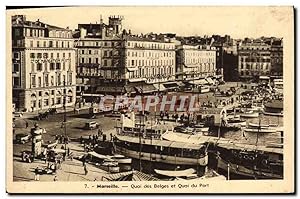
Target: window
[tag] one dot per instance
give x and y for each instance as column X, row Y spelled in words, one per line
column 57, row 55
column 33, row 83
column 39, row 55
column 46, row 102
column 16, row 68
column 45, row 44
column 16, row 81
column 69, row 55
column 70, row 78
column 51, row 66
column 58, row 100
column 82, row 51
column 37, row 43
column 45, row 55
column 64, row 55
column 40, row 93
column 57, row 66
column 58, row 79
column 39, row 67
column 105, row 62
column 32, row 67
column 57, row 44
column 90, row 52
column 90, row 60
column 31, row 43
column 62, row 44
column 51, row 55
column 32, row 55
column 64, row 65
column 82, row 60
column 52, row 83
column 40, row 83
column 96, row 60
column 46, row 80
column 16, row 55
column 30, row 33
column 50, row 44
column 132, row 62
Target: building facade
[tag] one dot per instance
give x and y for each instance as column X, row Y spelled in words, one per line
column 277, row 58
column 254, row 60
column 43, row 65
column 195, row 62
column 110, row 60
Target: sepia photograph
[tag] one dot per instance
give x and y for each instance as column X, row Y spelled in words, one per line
column 150, row 99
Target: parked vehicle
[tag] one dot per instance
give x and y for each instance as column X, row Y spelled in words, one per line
column 22, row 138
column 91, row 125
column 18, row 114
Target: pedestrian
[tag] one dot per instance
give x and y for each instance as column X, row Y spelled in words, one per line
column 99, row 131
column 68, row 151
column 83, row 161
column 85, row 170
column 36, row 174
column 55, row 178
column 64, row 156
column 26, row 124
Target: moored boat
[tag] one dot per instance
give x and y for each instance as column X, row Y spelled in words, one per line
column 260, row 130
column 235, row 123
column 249, row 114
column 280, row 114
column 259, row 163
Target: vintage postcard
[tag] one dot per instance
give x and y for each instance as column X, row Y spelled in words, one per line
column 157, row 99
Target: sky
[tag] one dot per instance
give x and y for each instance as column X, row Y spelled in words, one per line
column 238, row 22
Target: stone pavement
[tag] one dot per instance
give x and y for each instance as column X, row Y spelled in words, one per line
column 69, row 171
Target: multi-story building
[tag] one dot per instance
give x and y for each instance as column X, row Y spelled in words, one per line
column 195, row 62
column 43, row 65
column 277, row 58
column 113, row 62
column 254, row 60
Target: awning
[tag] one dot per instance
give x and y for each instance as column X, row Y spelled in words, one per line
column 171, row 85
column 159, row 87
column 264, row 77
column 137, row 80
column 210, row 81
column 110, row 89
column 198, row 82
column 132, row 69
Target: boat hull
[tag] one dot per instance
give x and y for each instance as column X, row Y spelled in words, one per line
column 153, row 157
column 249, row 115
column 243, row 171
column 272, row 114
column 237, row 124
column 262, row 130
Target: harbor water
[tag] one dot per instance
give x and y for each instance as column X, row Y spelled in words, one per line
column 258, row 138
